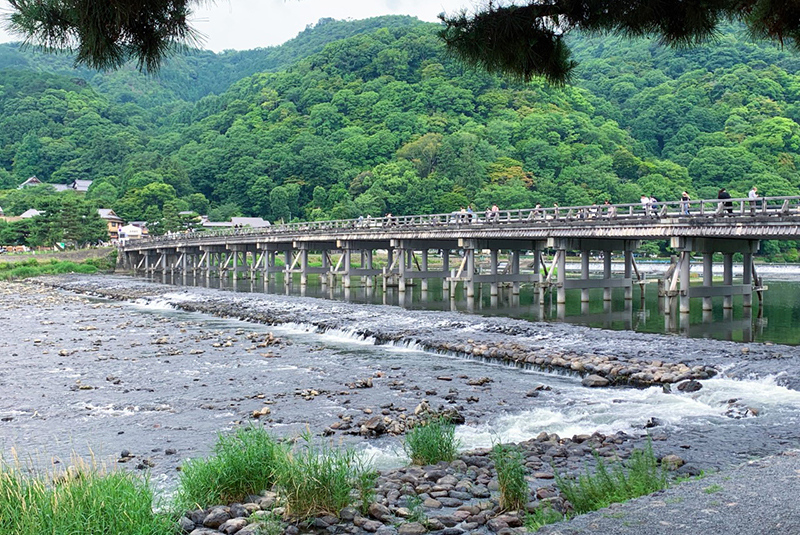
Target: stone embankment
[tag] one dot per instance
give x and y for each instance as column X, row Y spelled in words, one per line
column 598, row 370
column 447, row 498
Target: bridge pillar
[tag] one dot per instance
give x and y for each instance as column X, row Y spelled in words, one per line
column 585, row 254
column 747, row 279
column 727, row 279
column 707, row 247
column 708, row 278
column 586, row 283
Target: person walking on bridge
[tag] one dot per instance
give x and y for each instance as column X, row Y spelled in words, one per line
column 685, row 203
column 723, row 194
column 753, row 195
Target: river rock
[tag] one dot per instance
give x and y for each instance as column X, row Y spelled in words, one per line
column 593, row 381
column 690, row 386
column 216, row 517
column 379, row 511
column 672, row 462
column 229, row 527
column 411, row 528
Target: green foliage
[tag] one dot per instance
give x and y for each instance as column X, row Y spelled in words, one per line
column 510, row 468
column 318, row 479
column 542, row 516
column 375, row 116
column 431, row 441
column 640, row 475
column 85, row 499
column 33, row 268
column 245, row 462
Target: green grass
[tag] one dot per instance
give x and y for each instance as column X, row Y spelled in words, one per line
column 245, row 462
column 431, row 441
column 640, row 475
column 713, row 489
column 316, row 479
column 34, row 268
column 84, row 500
column 542, row 516
column 508, row 462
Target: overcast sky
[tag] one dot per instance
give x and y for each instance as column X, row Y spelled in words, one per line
column 247, row 24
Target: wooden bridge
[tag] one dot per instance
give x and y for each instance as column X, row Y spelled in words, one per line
column 447, row 246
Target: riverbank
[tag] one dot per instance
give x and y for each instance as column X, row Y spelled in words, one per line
column 152, row 376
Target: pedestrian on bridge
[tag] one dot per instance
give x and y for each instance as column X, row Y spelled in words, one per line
column 723, row 194
column 753, row 195
column 685, row 203
column 645, row 200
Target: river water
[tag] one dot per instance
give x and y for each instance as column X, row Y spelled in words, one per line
column 106, row 364
column 775, row 320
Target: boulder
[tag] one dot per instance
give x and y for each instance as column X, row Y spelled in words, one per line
column 593, row 381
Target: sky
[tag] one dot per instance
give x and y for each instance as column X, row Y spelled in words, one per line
column 248, row 24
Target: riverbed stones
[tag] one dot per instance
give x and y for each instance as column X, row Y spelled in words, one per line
column 594, row 381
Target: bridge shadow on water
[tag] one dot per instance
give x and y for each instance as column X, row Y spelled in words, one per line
column 774, row 320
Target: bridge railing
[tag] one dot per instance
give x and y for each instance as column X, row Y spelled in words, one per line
column 538, row 215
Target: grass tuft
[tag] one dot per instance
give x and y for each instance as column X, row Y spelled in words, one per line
column 432, row 441
column 640, row 475
column 508, row 462
column 243, row 463
column 86, row 499
column 319, row 479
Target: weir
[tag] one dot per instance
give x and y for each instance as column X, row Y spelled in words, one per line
column 466, row 252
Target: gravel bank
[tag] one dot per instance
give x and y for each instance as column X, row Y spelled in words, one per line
column 756, row 498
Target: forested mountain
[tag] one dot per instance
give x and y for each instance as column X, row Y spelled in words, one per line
column 368, row 117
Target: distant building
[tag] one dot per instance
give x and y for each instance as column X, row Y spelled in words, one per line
column 80, row 186
column 30, row 213
column 251, row 222
column 129, row 232
column 32, row 181
column 113, row 222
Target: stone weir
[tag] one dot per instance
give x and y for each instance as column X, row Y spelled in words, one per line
column 597, row 370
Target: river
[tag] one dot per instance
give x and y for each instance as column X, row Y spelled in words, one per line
column 103, row 364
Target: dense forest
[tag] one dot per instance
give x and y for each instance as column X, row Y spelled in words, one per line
column 368, row 117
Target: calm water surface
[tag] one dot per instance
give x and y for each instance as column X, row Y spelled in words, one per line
column 776, row 319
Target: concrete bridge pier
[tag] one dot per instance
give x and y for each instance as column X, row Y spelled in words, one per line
column 301, row 265
column 411, row 268
column 239, row 255
column 364, row 251
column 586, row 246
column 508, row 273
column 708, row 290
column 213, row 255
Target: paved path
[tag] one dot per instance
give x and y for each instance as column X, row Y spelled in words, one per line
column 757, row 498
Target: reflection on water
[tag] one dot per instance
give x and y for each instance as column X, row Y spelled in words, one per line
column 775, row 320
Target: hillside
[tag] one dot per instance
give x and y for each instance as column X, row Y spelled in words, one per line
column 375, row 117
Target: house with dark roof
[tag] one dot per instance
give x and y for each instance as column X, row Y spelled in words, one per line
column 80, row 186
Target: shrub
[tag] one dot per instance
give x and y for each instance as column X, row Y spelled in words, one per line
column 242, row 463
column 432, row 441
column 508, row 462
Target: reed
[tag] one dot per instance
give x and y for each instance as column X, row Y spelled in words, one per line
column 85, row 499
column 508, row 463
column 316, row 479
column 640, row 475
column 242, row 463
column 431, row 441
